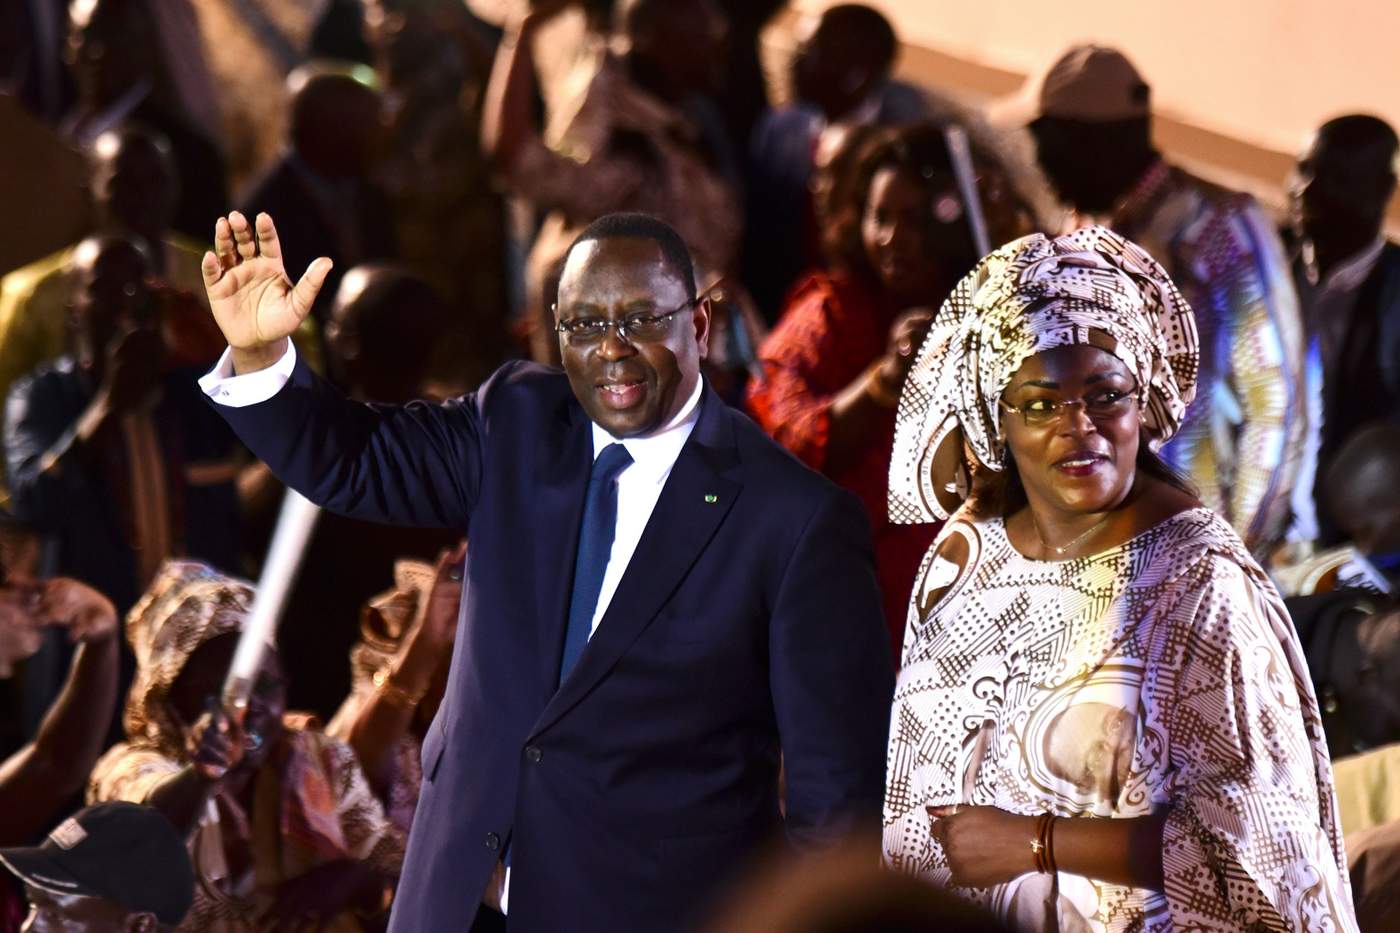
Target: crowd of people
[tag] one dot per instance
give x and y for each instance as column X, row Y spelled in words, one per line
column 1081, row 582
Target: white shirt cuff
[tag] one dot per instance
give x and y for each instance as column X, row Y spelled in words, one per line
column 226, row 388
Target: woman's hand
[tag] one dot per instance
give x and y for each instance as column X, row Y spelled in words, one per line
column 906, row 336
column 215, row 743
column 983, row 846
column 87, row 614
column 429, row 638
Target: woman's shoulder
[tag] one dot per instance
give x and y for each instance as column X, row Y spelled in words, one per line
column 829, row 290
column 1197, row 547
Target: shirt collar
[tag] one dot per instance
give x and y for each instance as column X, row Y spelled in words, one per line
column 656, row 453
column 1347, row 275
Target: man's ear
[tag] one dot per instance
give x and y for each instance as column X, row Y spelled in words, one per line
column 144, row 922
column 704, row 314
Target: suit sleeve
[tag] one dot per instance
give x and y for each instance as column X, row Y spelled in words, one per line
column 832, row 676
column 415, row 464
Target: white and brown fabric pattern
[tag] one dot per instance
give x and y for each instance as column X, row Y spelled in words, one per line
column 1087, row 287
column 1162, row 674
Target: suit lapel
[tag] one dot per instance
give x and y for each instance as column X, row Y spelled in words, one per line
column 697, row 496
column 557, row 512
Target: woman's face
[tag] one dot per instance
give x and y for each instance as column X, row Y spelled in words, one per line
column 1076, row 462
column 202, row 679
column 903, row 228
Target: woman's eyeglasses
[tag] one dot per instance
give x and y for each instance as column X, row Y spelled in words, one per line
column 1101, row 406
column 638, row 327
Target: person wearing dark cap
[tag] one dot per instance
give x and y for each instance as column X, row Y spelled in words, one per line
column 114, row 866
column 1090, row 117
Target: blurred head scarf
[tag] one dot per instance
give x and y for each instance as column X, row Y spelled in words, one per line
column 1088, row 287
column 187, row 605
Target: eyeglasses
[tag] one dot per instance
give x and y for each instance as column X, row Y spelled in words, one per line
column 638, row 327
column 1039, row 412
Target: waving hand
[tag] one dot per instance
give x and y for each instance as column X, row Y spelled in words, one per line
column 255, row 304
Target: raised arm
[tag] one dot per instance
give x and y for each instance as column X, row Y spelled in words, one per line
column 507, row 120
column 417, row 464
column 40, row 778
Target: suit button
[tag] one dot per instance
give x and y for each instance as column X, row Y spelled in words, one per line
column 493, row 842
column 533, row 754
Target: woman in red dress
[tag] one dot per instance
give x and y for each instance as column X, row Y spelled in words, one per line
column 897, row 237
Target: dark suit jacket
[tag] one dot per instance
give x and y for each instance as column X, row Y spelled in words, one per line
column 1363, row 385
column 747, row 624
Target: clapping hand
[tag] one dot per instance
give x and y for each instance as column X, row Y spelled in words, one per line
column 254, row 302
column 27, row 607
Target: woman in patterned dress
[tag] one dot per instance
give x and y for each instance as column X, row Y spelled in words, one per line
column 1104, row 720
column 283, row 826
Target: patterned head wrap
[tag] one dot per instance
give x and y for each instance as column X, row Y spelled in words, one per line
column 187, row 605
column 1088, row 287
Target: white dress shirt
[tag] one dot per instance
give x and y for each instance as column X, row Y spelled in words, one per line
column 639, row 485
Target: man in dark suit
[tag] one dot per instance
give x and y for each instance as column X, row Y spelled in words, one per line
column 659, row 605
column 1348, row 279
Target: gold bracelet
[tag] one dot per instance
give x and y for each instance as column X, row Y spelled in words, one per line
column 880, row 393
column 395, row 695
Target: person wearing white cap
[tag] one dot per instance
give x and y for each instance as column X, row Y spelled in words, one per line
column 1090, row 117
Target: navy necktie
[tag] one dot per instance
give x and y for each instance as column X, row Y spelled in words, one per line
column 595, row 539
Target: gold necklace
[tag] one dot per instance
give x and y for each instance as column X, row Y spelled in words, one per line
column 1060, row 551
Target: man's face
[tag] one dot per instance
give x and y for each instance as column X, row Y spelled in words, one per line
column 831, row 69
column 111, row 297
column 629, row 387
column 1334, row 192
column 135, row 189
column 112, row 47
column 69, row 913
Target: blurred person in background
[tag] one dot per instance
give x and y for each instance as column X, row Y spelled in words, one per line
column 283, row 827
column 899, row 238
column 134, row 189
column 123, row 74
column 399, row 673
column 32, row 35
column 324, row 182
column 1348, row 279
column 49, row 773
column 1359, row 497
column 840, row 75
column 386, row 339
column 643, row 136
column 743, row 92
column 107, row 452
column 111, row 867
column 449, row 217
column 1090, row 116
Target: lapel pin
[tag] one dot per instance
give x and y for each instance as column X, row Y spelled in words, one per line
column 711, row 498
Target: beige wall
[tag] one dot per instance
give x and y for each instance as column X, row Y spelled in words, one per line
column 1264, row 71
column 1237, row 84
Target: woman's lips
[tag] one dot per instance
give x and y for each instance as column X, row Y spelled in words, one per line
column 622, row 394
column 1081, row 463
